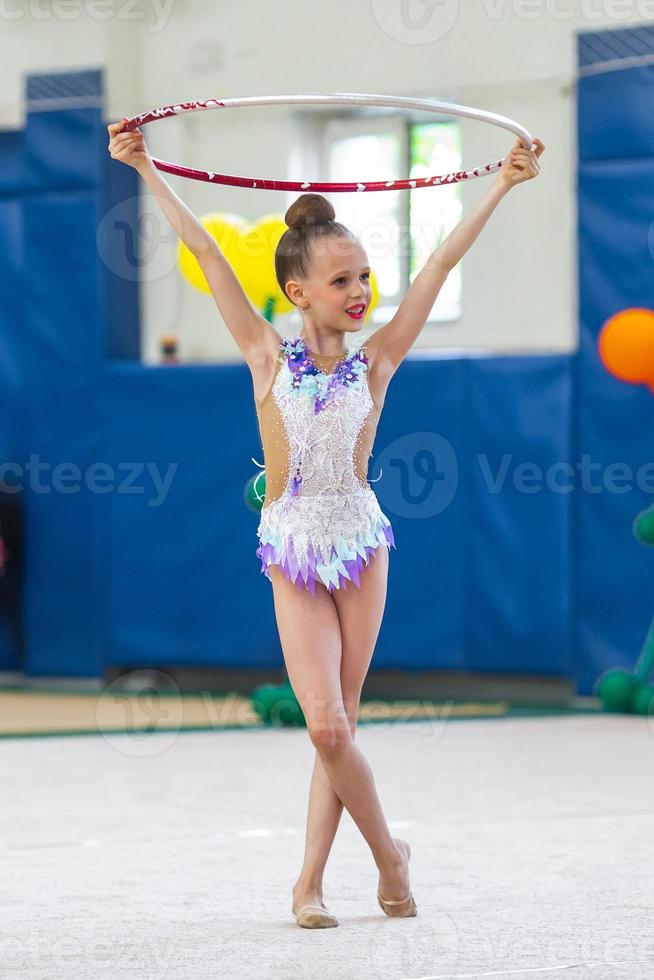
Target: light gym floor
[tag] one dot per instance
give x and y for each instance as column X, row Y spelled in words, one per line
column 172, row 853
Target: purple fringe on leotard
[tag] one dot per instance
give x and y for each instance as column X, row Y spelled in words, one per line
column 334, row 570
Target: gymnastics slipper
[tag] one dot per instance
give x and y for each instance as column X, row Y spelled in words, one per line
column 403, row 907
column 315, row 917
column 398, row 909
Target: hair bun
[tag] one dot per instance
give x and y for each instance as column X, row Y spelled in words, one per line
column 309, row 209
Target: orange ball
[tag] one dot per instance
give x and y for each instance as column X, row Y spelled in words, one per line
column 626, row 346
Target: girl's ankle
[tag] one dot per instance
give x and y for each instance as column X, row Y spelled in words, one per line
column 308, row 885
column 390, row 861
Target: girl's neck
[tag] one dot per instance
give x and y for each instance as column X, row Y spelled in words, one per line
column 313, row 347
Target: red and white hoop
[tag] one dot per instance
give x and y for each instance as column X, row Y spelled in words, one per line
column 339, row 98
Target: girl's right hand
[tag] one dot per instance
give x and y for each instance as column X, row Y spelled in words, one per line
column 128, row 148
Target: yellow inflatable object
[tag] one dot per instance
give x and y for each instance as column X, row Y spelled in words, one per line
column 261, row 241
column 227, row 230
column 375, row 295
column 250, row 251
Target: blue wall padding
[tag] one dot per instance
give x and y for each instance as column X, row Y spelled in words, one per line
column 596, row 48
column 615, row 115
column 615, row 594
column 57, row 321
column 517, row 525
column 186, row 585
column 12, row 380
column 480, row 581
column 63, row 331
column 118, row 248
column 115, row 580
column 62, row 149
column 13, row 183
column 12, row 367
column 64, row 623
column 615, row 598
column 12, row 162
column 424, row 609
column 14, row 279
column 184, row 575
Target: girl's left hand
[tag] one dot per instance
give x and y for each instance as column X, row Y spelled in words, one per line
column 521, row 164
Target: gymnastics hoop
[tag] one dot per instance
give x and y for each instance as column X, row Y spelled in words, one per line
column 336, row 98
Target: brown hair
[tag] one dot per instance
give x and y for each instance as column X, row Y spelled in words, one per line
column 309, row 219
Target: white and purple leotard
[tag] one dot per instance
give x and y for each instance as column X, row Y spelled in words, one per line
column 321, row 520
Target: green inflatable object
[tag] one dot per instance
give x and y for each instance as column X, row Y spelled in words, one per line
column 642, row 701
column 263, row 698
column 276, row 704
column 615, row 689
column 618, row 690
column 646, row 659
column 644, row 526
column 254, row 493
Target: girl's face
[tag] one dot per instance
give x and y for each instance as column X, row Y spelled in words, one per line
column 339, row 280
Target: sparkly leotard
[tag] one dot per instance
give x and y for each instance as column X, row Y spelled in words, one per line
column 321, row 520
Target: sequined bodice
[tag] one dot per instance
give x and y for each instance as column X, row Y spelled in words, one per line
column 317, row 429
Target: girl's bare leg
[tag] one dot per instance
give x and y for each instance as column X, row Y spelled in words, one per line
column 328, row 641
column 360, row 613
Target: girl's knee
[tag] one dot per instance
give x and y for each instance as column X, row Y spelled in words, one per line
column 330, row 739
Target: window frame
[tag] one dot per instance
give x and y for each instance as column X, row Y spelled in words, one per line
column 316, row 132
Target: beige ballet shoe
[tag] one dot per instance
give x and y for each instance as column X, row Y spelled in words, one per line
column 402, row 907
column 315, row 917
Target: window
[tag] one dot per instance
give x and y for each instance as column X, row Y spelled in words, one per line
column 398, row 229
column 435, row 149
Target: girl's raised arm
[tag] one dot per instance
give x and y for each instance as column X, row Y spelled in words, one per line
column 390, row 344
column 256, row 338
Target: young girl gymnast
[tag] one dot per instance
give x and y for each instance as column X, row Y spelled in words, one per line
column 318, row 404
